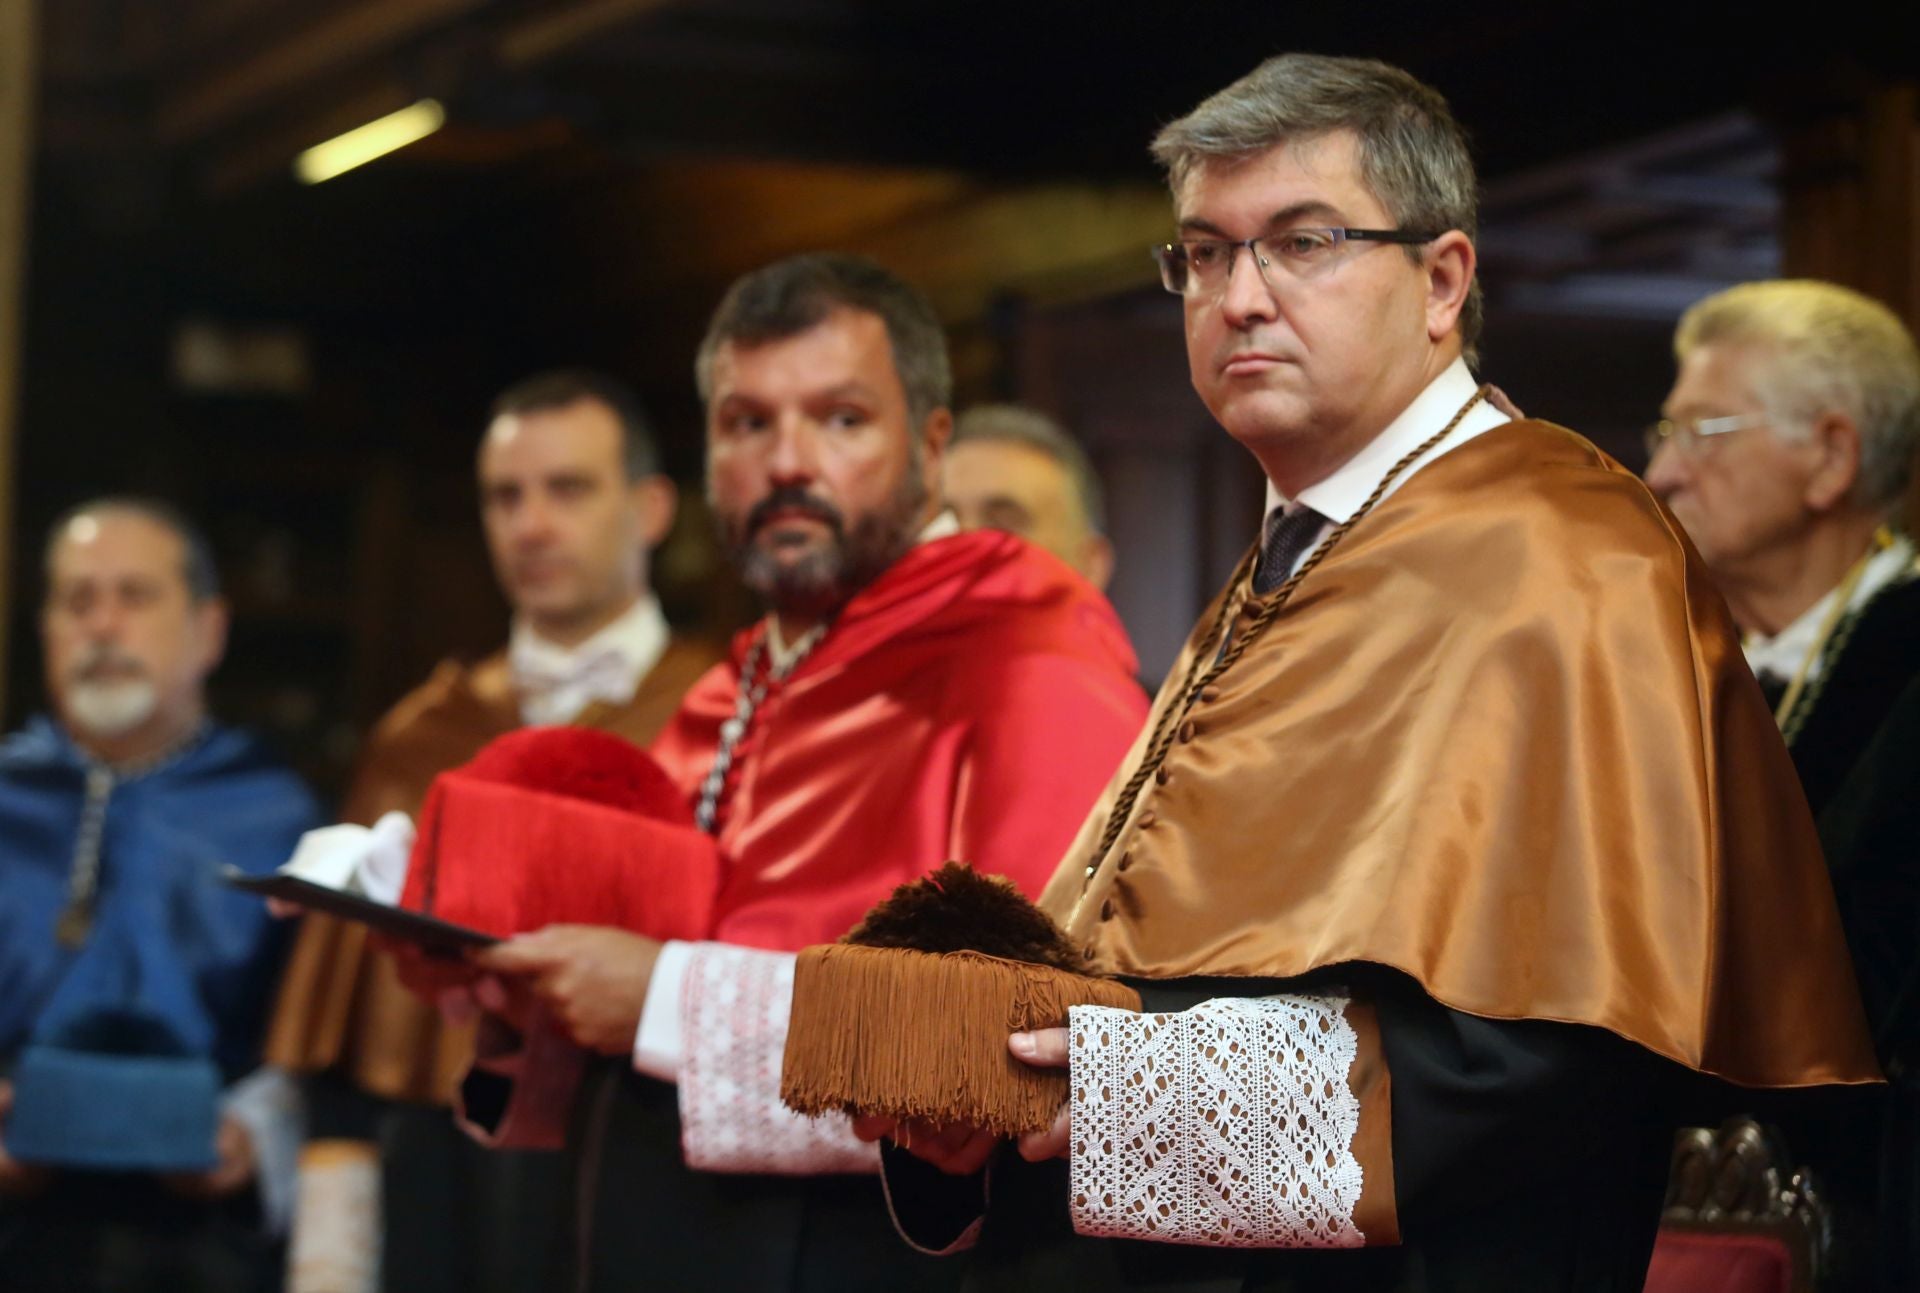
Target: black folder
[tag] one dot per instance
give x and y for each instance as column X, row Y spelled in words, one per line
column 432, row 935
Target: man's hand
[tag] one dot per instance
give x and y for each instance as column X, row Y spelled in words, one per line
column 962, row 1150
column 1044, row 1048
column 233, row 1172
column 17, row 1179
column 591, row 979
column 958, row 1150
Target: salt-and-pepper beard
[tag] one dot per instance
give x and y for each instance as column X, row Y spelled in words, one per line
column 823, row 581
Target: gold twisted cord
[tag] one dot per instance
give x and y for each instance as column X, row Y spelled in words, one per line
column 1798, row 705
column 1790, row 706
column 1196, row 681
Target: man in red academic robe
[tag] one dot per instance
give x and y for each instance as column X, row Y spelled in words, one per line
column 914, row 694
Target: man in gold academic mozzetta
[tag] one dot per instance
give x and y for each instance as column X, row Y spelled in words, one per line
column 1459, row 835
column 572, row 500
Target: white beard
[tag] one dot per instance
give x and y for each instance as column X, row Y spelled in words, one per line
column 110, row 709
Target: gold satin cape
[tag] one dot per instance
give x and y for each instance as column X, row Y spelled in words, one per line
column 341, row 1001
column 1502, row 739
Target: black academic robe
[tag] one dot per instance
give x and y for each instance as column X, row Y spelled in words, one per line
column 1857, row 752
column 1880, row 657
column 1868, row 1147
column 667, row 1226
column 1527, row 1156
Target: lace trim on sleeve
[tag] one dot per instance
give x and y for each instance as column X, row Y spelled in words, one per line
column 731, row 1118
column 1229, row 1125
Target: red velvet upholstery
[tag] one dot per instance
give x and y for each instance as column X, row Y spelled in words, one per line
column 1694, row 1261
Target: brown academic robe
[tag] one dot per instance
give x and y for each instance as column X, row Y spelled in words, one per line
column 1497, row 773
column 385, row 1063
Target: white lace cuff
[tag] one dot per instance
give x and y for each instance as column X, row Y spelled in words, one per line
column 735, row 1032
column 1231, row 1124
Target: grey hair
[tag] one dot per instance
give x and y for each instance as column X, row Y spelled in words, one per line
column 791, row 296
column 197, row 567
column 1827, row 348
column 1017, row 424
column 1413, row 154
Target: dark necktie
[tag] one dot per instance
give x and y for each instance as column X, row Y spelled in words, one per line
column 1773, row 687
column 1288, row 534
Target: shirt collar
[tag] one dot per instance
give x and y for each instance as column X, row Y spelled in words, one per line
column 1782, row 654
column 944, row 525
column 1340, row 494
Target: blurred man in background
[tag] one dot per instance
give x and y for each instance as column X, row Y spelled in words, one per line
column 1786, row 452
column 1014, row 469
column 141, row 1147
column 573, row 501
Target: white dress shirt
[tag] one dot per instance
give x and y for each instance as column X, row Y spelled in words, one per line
column 555, row 683
column 1781, row 655
column 1340, row 495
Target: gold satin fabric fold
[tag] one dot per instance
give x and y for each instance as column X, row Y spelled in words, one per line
column 341, row 1002
column 1377, row 1216
column 1501, row 739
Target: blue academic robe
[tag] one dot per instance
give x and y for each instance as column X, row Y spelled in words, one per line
column 165, row 838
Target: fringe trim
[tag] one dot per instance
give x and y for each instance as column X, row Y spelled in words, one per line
column 923, row 1035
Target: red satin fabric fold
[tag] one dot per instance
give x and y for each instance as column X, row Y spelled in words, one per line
column 970, row 703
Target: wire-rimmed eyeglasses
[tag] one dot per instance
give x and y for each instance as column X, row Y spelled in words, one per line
column 1688, row 436
column 1200, row 266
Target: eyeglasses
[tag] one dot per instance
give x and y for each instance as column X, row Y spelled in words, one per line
column 1201, row 266
column 1689, row 437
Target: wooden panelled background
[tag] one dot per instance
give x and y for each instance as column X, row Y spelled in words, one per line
column 611, row 164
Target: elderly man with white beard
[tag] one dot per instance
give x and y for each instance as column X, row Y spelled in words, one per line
column 140, row 1145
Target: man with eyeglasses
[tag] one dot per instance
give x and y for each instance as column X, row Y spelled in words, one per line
column 1786, row 452
column 1459, row 835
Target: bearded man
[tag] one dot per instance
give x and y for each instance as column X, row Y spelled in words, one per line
column 145, row 1149
column 914, row 694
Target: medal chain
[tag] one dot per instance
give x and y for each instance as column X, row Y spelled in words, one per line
column 754, row 683
column 83, row 879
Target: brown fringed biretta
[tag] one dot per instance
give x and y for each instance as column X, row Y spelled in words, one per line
column 1501, row 739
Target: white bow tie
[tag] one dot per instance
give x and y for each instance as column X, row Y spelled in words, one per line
column 555, row 693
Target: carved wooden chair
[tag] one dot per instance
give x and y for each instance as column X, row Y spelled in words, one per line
column 1738, row 1218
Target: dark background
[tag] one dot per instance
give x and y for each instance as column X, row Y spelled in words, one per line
column 306, row 369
